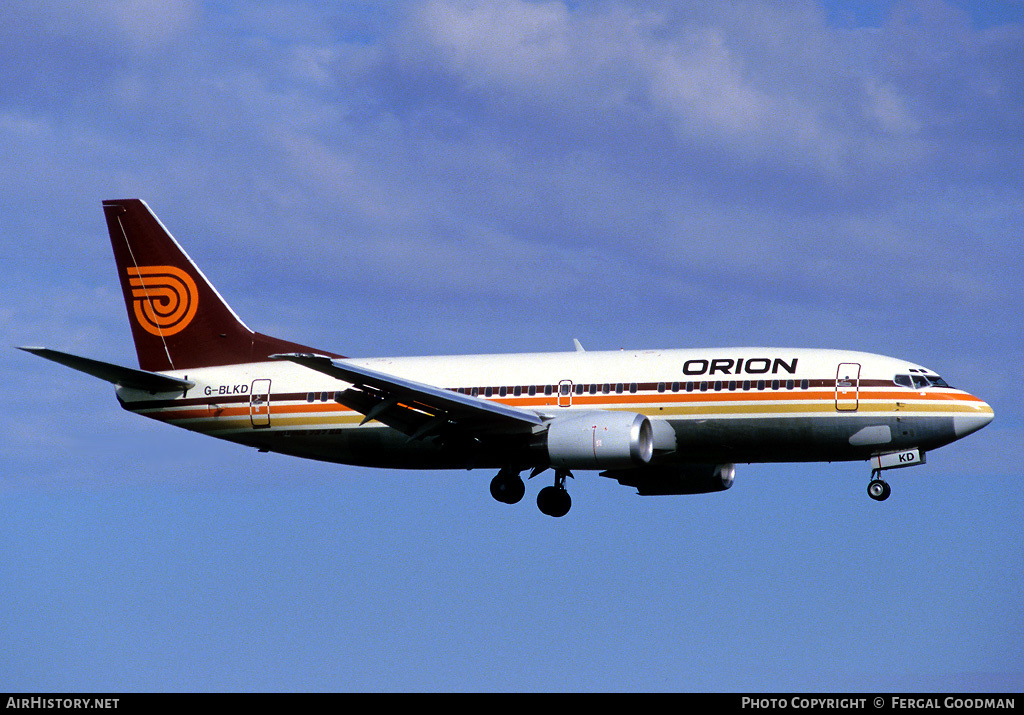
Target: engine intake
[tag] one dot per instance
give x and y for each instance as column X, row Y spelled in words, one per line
column 600, row 440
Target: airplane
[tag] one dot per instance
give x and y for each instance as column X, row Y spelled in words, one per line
column 664, row 422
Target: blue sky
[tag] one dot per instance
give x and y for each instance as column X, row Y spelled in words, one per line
column 456, row 177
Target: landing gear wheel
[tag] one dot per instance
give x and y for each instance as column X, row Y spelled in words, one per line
column 879, row 490
column 507, row 488
column 554, row 501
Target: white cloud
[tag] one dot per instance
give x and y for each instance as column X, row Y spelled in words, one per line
column 137, row 25
column 737, row 151
column 884, row 105
column 145, row 24
column 701, row 82
column 517, row 43
column 719, row 81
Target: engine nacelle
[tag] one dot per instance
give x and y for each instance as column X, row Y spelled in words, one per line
column 676, row 478
column 600, row 440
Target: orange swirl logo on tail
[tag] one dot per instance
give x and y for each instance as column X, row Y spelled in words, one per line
column 165, row 298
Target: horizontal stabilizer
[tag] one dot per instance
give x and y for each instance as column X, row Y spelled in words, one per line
column 115, row 374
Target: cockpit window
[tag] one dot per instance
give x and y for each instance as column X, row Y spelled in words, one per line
column 919, row 382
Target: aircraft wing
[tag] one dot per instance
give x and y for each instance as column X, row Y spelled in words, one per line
column 417, row 409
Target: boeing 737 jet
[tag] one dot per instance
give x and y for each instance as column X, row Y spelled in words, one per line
column 660, row 421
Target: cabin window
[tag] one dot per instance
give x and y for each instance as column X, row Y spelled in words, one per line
column 689, row 386
column 746, row 384
column 580, row 388
column 547, row 390
column 732, row 385
column 532, row 391
column 502, row 391
column 675, row 387
column 475, row 392
column 517, row 391
column 704, row 386
column 606, row 388
column 619, row 388
column 593, row 388
column 310, row 397
column 661, row 387
column 790, row 384
column 633, row 387
column 760, row 384
column 805, row 384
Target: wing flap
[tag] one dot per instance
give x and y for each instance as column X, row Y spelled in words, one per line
column 386, row 410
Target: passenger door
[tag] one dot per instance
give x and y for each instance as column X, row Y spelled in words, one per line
column 848, row 387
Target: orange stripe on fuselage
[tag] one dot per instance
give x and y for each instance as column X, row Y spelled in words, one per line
column 779, row 402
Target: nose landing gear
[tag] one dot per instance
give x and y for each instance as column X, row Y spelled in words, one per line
column 878, row 489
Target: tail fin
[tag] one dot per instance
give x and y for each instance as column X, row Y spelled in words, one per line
column 179, row 320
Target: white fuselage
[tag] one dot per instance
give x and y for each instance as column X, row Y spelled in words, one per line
column 707, row 405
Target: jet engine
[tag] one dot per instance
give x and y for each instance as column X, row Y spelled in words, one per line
column 676, row 478
column 600, row 440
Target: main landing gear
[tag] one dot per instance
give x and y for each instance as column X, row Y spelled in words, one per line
column 508, row 488
column 555, row 500
column 878, row 489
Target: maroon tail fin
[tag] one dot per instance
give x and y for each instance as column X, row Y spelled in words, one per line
column 179, row 320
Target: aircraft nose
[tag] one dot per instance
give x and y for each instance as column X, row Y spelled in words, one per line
column 966, row 423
